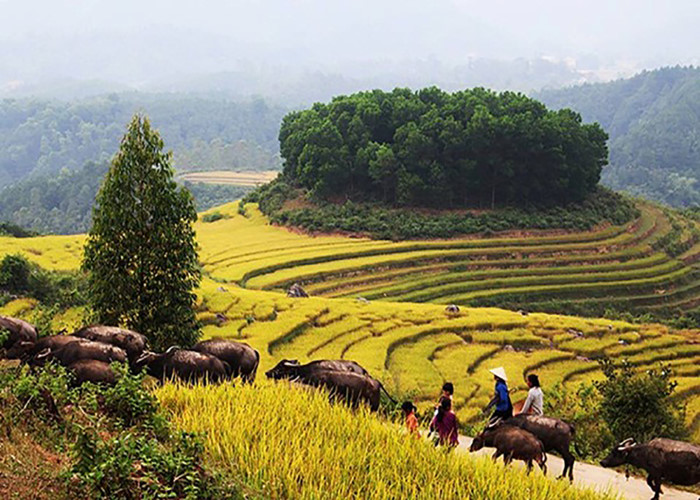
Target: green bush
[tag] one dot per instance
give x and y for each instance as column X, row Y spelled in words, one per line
column 639, row 405
column 429, row 148
column 120, row 440
column 213, row 217
column 130, row 404
column 9, row 229
column 15, row 273
column 18, row 276
column 380, row 222
column 580, row 408
column 136, row 467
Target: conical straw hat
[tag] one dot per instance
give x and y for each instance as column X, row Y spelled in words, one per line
column 500, row 373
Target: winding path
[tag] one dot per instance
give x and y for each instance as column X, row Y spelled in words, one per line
column 598, row 478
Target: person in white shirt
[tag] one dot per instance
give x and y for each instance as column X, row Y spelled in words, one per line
column 535, row 401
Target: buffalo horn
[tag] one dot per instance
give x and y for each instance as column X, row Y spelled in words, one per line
column 143, row 356
column 627, row 443
column 172, row 349
column 43, row 354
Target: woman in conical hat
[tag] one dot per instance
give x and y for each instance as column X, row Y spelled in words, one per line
column 501, row 398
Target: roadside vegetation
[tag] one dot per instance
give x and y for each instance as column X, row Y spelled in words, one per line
column 92, row 442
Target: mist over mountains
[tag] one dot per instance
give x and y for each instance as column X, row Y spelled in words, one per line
column 308, row 50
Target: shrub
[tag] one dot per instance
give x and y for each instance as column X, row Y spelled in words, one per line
column 382, row 222
column 15, row 273
column 639, row 405
column 129, row 403
column 135, row 467
column 213, row 217
column 581, row 409
column 18, row 276
column 120, row 439
column 7, row 228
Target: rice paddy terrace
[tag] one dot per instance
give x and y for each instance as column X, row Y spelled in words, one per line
column 648, row 264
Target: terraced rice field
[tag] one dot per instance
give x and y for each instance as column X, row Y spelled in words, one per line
column 250, row 179
column 413, row 347
column 651, row 264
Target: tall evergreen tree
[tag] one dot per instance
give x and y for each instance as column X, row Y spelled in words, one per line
column 141, row 254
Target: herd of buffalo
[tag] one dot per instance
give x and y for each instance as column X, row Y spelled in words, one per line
column 89, row 352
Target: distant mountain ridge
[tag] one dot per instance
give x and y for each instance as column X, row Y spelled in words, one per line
column 654, row 124
column 39, row 137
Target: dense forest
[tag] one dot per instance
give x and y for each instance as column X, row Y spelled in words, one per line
column 473, row 148
column 654, row 124
column 62, row 203
column 45, row 137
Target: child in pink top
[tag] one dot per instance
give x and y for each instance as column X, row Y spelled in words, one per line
column 445, row 423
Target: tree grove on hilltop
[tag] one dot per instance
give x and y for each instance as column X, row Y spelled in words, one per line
column 431, row 148
column 141, row 254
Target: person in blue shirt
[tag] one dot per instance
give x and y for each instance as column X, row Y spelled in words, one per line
column 501, row 398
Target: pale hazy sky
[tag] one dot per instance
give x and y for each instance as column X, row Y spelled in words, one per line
column 210, row 34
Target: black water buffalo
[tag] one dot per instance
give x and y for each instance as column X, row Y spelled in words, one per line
column 346, row 383
column 185, row 365
column 242, row 360
column 297, row 291
column 20, row 350
column 133, row 343
column 27, row 351
column 19, row 331
column 556, row 435
column 664, row 460
column 92, row 370
column 338, row 365
column 84, row 349
column 512, row 443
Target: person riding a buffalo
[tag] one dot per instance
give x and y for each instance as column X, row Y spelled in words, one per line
column 534, row 403
column 501, row 398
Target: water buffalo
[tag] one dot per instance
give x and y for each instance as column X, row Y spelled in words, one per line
column 556, row 435
column 664, row 460
column 338, row 365
column 83, row 349
column 27, row 351
column 92, row 370
column 20, row 350
column 19, row 331
column 133, row 343
column 185, row 365
column 297, row 291
column 512, row 443
column 346, row 383
column 242, row 360
column 452, row 309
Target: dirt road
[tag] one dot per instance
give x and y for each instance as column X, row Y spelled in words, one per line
column 599, row 478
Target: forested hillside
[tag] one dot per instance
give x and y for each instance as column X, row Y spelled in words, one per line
column 653, row 120
column 430, row 148
column 61, row 203
column 44, row 137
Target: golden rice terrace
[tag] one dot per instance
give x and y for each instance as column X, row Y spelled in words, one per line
column 400, row 330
